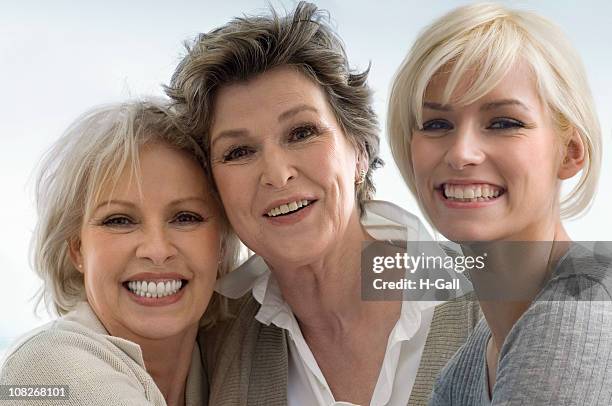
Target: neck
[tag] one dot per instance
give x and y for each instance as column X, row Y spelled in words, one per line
column 515, row 273
column 325, row 295
column 168, row 361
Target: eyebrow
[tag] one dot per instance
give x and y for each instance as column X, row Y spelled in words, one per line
column 119, row 202
column 235, row 133
column 437, row 106
column 243, row 132
column 295, row 110
column 485, row 107
column 504, row 102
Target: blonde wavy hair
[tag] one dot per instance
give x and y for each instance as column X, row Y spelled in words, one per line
column 487, row 39
column 94, row 152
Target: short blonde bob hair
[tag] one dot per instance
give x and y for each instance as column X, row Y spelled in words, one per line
column 92, row 153
column 486, row 39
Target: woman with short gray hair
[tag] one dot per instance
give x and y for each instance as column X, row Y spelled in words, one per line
column 292, row 140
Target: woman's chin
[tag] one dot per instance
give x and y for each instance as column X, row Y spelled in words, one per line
column 303, row 248
column 289, row 255
column 469, row 232
column 160, row 328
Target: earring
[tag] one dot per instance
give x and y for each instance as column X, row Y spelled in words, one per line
column 362, row 177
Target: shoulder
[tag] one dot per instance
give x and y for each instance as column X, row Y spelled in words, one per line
column 567, row 329
column 59, row 348
column 54, row 341
column 580, row 291
column 93, row 368
column 581, row 275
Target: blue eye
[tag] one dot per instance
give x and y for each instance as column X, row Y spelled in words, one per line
column 236, row 153
column 303, row 132
column 187, row 218
column 505, row 124
column 437, row 125
column 118, row 221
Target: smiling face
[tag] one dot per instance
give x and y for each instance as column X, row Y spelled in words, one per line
column 489, row 170
column 283, row 167
column 149, row 255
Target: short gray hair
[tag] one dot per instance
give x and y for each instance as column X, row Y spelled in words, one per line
column 250, row 45
column 93, row 152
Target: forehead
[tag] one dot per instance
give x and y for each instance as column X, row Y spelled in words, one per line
column 518, row 83
column 158, row 173
column 268, row 94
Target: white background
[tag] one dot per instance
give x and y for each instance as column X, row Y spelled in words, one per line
column 59, row 58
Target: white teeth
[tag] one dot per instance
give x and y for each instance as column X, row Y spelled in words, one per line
column 288, row 207
column 155, row 289
column 471, row 192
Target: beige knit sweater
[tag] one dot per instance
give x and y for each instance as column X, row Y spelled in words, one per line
column 99, row 369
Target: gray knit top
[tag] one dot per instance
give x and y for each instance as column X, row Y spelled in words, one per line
column 558, row 353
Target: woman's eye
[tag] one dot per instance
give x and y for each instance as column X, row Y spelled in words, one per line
column 437, row 125
column 302, row 133
column 118, row 221
column 187, row 218
column 505, row 124
column 236, row 153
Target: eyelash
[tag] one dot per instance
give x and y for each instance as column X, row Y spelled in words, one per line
column 123, row 221
column 240, row 152
column 231, row 154
column 117, row 221
column 427, row 126
column 312, row 130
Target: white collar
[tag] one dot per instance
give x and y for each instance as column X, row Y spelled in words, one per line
column 382, row 220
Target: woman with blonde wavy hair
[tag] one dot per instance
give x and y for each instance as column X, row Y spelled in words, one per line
column 489, row 113
column 129, row 243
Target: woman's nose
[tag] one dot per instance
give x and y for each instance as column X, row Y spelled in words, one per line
column 156, row 245
column 465, row 150
column 278, row 168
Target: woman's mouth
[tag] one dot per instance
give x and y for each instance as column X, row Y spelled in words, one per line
column 471, row 193
column 288, row 208
column 155, row 288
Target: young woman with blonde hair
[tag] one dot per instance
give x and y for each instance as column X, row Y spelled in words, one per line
column 489, row 113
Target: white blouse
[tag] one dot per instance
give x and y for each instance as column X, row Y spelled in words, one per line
column 306, row 383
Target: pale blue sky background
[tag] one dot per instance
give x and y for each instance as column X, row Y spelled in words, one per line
column 59, row 58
